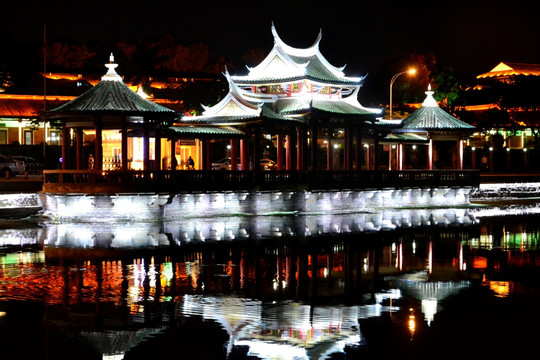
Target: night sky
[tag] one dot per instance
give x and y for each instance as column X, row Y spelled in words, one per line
column 470, row 36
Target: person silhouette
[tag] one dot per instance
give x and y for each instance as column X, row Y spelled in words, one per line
column 90, row 162
column 191, row 164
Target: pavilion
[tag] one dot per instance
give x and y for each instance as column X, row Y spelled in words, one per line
column 106, row 110
column 430, row 125
column 301, row 103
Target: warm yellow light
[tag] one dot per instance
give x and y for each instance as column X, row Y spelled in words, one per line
column 412, row 71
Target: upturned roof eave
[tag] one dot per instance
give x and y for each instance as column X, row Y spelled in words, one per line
column 267, row 81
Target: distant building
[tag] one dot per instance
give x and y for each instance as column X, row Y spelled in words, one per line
column 20, row 119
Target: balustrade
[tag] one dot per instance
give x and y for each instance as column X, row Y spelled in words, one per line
column 201, row 180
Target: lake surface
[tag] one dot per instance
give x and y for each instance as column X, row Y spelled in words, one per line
column 402, row 284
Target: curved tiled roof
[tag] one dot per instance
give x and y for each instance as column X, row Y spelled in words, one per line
column 112, row 97
column 285, row 63
column 433, row 118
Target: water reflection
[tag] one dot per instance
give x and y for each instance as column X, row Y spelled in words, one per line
column 280, row 287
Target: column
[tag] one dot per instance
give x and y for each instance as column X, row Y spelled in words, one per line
column 460, row 154
column 359, row 150
column 79, row 147
column 234, row 155
column 329, row 154
column 243, row 154
column 348, row 158
column 146, row 147
column 430, row 155
column 400, row 157
column 279, row 152
column 123, row 133
column 174, row 162
column 376, row 153
column 300, row 149
column 98, row 145
column 257, row 150
column 157, row 149
column 288, row 152
column 314, row 157
column 65, row 146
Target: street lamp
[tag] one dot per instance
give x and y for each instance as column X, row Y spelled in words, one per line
column 410, row 72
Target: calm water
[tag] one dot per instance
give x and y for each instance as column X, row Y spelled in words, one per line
column 410, row 284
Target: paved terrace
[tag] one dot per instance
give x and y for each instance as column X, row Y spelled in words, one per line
column 94, row 181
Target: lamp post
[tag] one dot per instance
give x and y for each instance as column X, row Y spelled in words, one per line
column 410, row 72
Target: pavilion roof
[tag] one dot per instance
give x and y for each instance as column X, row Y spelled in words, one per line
column 512, row 69
column 238, row 107
column 406, row 137
column 286, row 63
column 189, row 130
column 431, row 117
column 112, row 96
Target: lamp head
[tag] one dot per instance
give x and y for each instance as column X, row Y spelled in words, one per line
column 411, row 71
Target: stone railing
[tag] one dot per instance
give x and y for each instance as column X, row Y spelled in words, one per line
column 166, row 181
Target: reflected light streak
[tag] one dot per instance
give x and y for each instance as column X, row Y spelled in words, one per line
column 429, row 308
column 411, row 324
column 430, row 257
column 501, row 288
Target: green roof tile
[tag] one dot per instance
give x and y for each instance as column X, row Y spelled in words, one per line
column 434, row 118
column 112, row 97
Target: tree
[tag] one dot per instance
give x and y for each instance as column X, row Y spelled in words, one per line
column 448, row 89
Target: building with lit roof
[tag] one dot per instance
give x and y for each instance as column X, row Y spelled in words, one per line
column 505, row 108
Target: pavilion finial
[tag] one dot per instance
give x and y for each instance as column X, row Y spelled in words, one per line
column 430, row 100
column 111, row 74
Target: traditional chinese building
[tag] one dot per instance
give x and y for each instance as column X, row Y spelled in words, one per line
column 124, row 127
column 429, row 138
column 298, row 109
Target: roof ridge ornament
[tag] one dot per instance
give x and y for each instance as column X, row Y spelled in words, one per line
column 430, row 100
column 111, row 74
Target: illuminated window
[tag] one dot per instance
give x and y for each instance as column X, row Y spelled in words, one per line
column 54, row 137
column 28, row 138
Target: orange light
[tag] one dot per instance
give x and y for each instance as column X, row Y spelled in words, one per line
column 412, row 71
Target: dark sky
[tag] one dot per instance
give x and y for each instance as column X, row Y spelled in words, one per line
column 470, row 36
